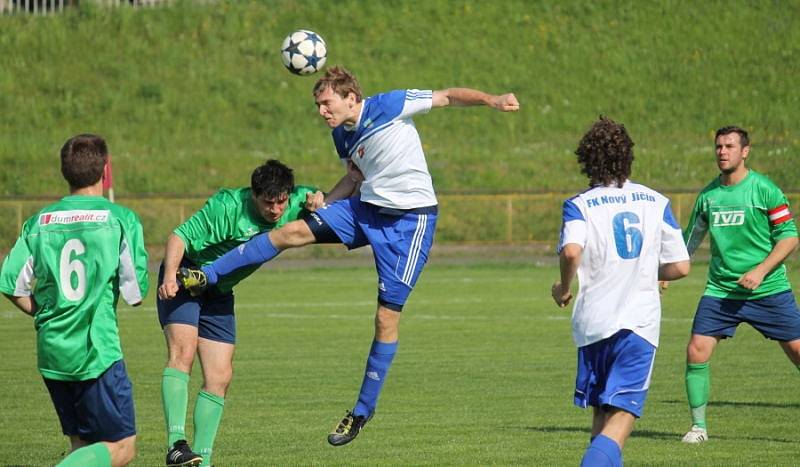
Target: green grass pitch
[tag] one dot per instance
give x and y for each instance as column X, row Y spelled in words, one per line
column 484, row 376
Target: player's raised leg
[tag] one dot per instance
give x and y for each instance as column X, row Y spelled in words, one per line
column 258, row 250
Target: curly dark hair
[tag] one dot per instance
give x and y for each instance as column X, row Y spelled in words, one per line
column 606, row 153
column 83, row 160
column 272, row 180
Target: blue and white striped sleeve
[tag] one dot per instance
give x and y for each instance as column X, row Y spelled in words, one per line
column 573, row 225
column 416, row 102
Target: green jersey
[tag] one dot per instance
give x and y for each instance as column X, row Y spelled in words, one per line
column 228, row 219
column 76, row 257
column 745, row 221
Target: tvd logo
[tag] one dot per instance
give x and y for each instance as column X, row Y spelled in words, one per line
column 727, row 218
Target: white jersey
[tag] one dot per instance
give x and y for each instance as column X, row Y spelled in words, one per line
column 625, row 233
column 385, row 146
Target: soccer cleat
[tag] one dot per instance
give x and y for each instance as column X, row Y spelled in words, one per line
column 347, row 429
column 193, row 280
column 180, row 454
column 696, row 435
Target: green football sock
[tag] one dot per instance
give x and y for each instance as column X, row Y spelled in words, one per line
column 207, row 415
column 698, row 388
column 174, row 398
column 93, row 455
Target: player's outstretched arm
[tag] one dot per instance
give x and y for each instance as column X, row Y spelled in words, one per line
column 465, row 96
column 26, row 304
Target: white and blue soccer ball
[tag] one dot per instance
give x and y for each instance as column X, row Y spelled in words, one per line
column 304, row 52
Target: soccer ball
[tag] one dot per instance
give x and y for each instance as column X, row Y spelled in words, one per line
column 303, row 52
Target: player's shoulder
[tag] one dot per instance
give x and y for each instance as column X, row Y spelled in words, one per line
column 763, row 180
column 644, row 190
column 229, row 196
column 393, row 101
column 713, row 185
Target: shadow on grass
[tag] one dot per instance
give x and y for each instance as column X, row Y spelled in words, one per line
column 737, row 404
column 587, row 431
column 660, row 435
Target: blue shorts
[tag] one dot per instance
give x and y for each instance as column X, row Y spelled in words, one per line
column 774, row 316
column 615, row 372
column 99, row 409
column 400, row 241
column 211, row 313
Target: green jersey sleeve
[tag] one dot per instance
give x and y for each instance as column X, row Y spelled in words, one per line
column 697, row 228
column 16, row 276
column 781, row 221
column 132, row 271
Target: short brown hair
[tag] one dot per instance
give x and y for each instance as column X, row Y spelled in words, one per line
column 83, row 159
column 726, row 130
column 341, row 81
column 606, row 153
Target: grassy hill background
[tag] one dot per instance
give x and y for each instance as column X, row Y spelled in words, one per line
column 191, row 97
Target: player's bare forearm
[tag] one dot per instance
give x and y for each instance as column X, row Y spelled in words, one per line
column 465, row 97
column 782, row 249
column 569, row 260
column 673, row 271
column 25, row 304
column 173, row 254
column 344, row 188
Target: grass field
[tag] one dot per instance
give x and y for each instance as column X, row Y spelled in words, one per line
column 197, row 91
column 484, row 376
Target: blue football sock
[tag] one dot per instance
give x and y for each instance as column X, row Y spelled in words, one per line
column 380, row 359
column 257, row 250
column 603, row 452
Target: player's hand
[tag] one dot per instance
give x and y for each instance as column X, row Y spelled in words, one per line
column 562, row 297
column 751, row 279
column 168, row 289
column 662, row 286
column 506, row 103
column 315, row 200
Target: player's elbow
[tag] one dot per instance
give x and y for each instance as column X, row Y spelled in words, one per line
column 571, row 251
column 674, row 271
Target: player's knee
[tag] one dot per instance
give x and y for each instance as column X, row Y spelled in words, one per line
column 123, row 451
column 697, row 352
column 218, row 382
column 293, row 234
column 387, row 321
column 181, row 358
